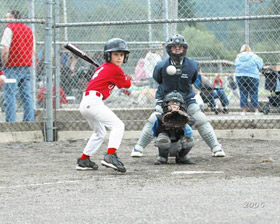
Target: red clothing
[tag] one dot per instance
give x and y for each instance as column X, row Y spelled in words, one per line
column 106, row 77
column 21, row 49
column 139, row 71
column 42, row 95
column 218, row 83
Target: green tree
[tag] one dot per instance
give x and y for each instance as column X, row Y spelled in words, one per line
column 269, row 46
column 268, row 29
column 204, row 44
column 124, row 10
column 185, row 10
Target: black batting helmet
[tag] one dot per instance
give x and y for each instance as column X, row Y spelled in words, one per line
column 115, row 44
column 176, row 40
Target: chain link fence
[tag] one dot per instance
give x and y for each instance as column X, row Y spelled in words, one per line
column 214, row 30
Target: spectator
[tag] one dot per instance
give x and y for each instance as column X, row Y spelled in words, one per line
column 232, row 85
column 75, row 73
column 17, row 51
column 2, row 76
column 206, row 91
column 144, row 87
column 67, row 62
column 219, row 91
column 140, row 74
column 150, row 61
column 247, row 67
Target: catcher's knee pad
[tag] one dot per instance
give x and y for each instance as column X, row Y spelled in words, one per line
column 187, row 143
column 194, row 110
column 163, row 141
column 204, row 128
column 153, row 117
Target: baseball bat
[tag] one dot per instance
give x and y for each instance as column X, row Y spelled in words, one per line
column 80, row 54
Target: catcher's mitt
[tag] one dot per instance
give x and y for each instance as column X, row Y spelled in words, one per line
column 175, row 119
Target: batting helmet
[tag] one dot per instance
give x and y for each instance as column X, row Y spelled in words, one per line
column 115, row 44
column 176, row 40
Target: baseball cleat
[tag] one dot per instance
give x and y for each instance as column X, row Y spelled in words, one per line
column 183, row 160
column 136, row 153
column 160, row 160
column 112, row 161
column 219, row 153
column 86, row 164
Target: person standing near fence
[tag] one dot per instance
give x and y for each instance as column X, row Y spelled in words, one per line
column 97, row 114
column 150, row 61
column 17, row 52
column 186, row 71
column 247, row 71
column 2, row 76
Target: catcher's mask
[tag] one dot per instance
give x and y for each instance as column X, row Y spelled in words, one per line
column 175, row 98
column 115, row 44
column 173, row 105
column 176, row 40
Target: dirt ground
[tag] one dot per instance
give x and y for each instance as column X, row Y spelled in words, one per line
column 39, row 184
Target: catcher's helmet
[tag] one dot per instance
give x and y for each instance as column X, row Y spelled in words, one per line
column 176, row 40
column 174, row 96
column 115, row 44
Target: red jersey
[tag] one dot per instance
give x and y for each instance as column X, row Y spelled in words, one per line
column 106, row 77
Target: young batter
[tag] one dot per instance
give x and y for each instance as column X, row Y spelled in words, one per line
column 97, row 114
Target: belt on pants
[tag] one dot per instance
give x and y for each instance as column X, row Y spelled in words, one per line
column 96, row 93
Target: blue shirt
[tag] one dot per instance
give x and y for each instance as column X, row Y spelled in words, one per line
column 197, row 83
column 248, row 64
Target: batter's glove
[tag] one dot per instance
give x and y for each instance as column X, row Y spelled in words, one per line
column 175, row 119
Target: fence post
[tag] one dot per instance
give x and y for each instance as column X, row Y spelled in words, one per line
column 48, row 66
column 33, row 68
column 57, row 56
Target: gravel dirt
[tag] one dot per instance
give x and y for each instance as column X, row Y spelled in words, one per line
column 39, row 184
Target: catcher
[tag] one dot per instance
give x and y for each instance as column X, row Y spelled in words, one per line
column 174, row 136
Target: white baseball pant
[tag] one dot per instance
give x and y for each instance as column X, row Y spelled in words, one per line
column 99, row 116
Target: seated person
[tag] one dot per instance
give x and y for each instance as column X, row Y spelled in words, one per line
column 232, row 85
column 203, row 85
column 220, row 93
column 173, row 140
